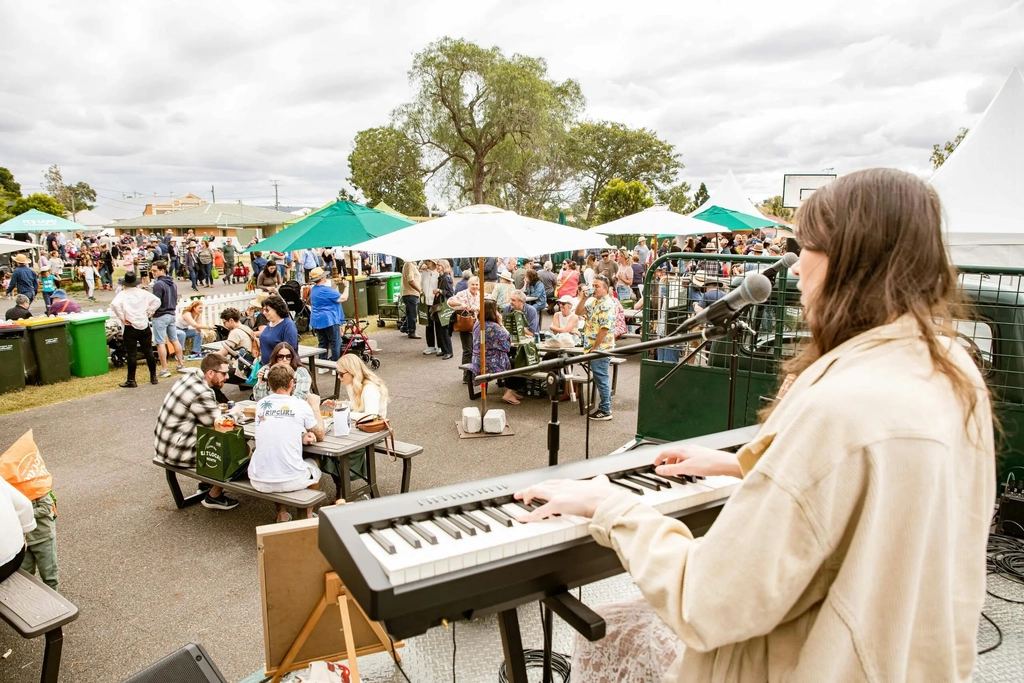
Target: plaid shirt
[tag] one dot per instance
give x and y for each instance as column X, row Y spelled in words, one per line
column 189, row 403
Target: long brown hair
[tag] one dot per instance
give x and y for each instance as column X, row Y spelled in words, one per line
column 881, row 230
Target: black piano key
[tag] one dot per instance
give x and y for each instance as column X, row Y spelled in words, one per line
column 422, row 531
column 658, row 478
column 407, row 536
column 537, row 502
column 467, row 529
column 446, row 527
column 642, row 482
column 629, row 487
column 678, row 480
column 522, row 505
column 497, row 515
column 480, row 524
column 388, row 546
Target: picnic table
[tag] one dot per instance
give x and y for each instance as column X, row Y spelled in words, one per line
column 307, row 354
column 339, row 455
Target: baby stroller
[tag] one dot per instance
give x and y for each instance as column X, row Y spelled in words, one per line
column 115, row 342
column 291, row 292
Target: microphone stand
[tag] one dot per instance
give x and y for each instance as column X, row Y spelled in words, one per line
column 558, row 374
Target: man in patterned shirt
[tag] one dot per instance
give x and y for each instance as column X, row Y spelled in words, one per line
column 598, row 335
column 189, row 403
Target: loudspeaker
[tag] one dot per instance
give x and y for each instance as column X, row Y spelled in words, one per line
column 792, row 246
column 190, row 664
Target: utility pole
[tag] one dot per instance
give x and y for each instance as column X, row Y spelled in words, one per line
column 213, row 194
column 277, row 204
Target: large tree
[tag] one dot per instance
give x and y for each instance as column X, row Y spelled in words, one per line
column 38, row 201
column 9, row 188
column 773, row 207
column 701, row 195
column 940, row 154
column 75, row 197
column 620, row 198
column 677, row 198
column 603, row 150
column 386, row 167
column 470, row 100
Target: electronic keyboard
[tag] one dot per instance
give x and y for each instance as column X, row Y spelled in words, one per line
column 459, row 551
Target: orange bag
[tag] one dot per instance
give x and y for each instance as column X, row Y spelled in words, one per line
column 24, row 469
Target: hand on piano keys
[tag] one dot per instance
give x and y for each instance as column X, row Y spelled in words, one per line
column 700, row 461
column 566, row 497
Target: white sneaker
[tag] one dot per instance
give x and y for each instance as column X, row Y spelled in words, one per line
column 429, row 350
column 182, row 369
column 164, row 373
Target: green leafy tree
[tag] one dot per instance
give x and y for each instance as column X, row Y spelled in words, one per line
column 773, row 207
column 677, row 198
column 386, row 167
column 74, row 198
column 469, row 100
column 604, row 150
column 620, row 198
column 38, row 201
column 701, row 195
column 9, row 189
column 940, row 154
column 344, row 194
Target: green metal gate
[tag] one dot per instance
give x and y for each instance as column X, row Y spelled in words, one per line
column 694, row 400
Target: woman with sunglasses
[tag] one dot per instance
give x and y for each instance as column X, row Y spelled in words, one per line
column 367, row 393
column 283, row 353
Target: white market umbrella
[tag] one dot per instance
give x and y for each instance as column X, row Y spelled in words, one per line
column 9, row 246
column 482, row 230
column 478, row 231
column 656, row 220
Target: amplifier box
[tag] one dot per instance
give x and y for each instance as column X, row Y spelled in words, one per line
column 190, row 664
column 1011, row 512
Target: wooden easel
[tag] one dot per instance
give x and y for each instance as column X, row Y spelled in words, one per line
column 334, row 592
column 298, row 587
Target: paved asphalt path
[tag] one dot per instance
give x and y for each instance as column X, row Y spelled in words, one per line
column 149, row 578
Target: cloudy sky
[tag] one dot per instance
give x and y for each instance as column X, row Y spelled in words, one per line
column 176, row 97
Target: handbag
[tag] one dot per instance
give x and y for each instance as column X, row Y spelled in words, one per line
column 515, row 323
column 444, row 314
column 526, row 355
column 464, row 321
column 376, row 423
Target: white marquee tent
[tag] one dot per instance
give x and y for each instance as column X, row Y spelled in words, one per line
column 729, row 195
column 982, row 183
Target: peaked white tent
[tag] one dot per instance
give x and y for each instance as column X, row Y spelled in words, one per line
column 981, row 184
column 728, row 195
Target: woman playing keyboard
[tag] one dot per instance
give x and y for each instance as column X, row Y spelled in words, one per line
column 854, row 547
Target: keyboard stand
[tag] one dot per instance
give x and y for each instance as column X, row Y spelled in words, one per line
column 512, row 643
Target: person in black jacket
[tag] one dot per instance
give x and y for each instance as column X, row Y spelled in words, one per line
column 445, row 290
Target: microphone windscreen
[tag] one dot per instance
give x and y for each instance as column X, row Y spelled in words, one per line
column 789, row 258
column 756, row 288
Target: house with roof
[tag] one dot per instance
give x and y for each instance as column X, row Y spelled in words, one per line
column 213, row 220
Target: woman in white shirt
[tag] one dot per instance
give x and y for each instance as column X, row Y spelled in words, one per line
column 565, row 320
column 367, row 394
column 16, row 520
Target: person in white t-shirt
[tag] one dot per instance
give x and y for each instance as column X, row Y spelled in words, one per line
column 283, row 425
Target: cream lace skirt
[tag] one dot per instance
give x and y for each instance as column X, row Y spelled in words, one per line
column 638, row 646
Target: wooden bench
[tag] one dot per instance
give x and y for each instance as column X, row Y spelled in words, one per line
column 33, row 609
column 303, row 499
column 405, row 451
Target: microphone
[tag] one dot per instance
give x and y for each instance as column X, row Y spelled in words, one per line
column 786, row 261
column 754, row 289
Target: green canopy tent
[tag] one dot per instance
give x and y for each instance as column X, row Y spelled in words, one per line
column 729, row 209
column 341, row 224
column 733, row 221
column 37, row 221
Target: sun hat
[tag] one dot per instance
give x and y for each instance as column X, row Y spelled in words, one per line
column 566, row 299
column 757, row 246
column 22, row 259
column 317, row 274
column 506, row 276
column 130, row 280
column 59, row 294
column 42, row 268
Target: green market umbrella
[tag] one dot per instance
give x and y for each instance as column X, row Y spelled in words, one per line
column 341, row 224
column 733, row 221
column 37, row 221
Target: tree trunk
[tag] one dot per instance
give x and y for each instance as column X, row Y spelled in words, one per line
column 478, row 181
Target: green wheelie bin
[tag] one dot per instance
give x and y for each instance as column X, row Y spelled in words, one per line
column 47, row 338
column 87, row 344
column 358, row 295
column 376, row 293
column 12, row 365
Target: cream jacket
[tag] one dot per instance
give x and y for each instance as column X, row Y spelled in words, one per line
column 853, row 550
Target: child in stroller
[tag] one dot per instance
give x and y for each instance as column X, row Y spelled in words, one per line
column 291, row 292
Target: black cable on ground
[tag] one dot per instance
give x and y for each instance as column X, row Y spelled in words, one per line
column 1005, row 559
column 535, row 660
column 398, row 663
column 999, row 633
